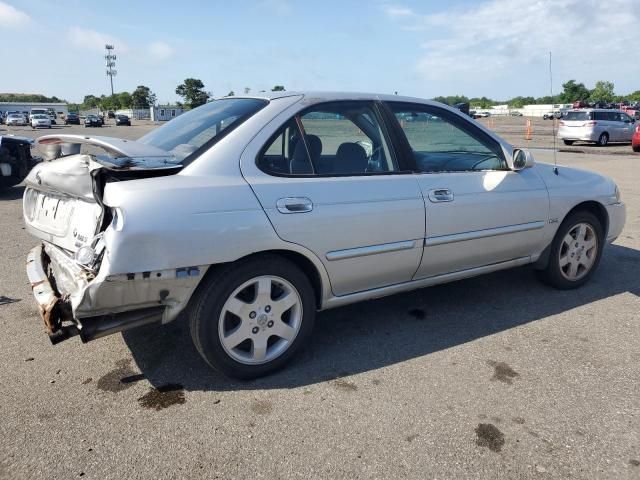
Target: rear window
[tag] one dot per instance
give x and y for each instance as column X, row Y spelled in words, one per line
column 579, row 116
column 199, row 128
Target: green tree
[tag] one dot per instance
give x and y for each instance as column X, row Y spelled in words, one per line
column 142, row 97
column 90, row 101
column 451, row 99
column 482, row 102
column 635, row 96
column 124, row 99
column 603, row 91
column 573, row 92
column 278, row 88
column 192, row 90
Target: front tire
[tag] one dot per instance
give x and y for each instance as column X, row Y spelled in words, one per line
column 568, row 142
column 575, row 251
column 250, row 318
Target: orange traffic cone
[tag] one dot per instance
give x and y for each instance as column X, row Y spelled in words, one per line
column 529, row 133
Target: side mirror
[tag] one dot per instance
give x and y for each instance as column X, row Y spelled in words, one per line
column 522, row 159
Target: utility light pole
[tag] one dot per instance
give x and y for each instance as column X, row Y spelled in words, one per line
column 110, row 62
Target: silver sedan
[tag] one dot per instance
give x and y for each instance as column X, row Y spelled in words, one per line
column 249, row 214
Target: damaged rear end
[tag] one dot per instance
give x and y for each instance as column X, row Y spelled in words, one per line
column 74, row 287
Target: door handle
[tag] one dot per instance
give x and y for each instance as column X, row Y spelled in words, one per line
column 441, row 195
column 294, row 205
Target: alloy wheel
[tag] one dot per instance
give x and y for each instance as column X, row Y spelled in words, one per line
column 578, row 252
column 260, row 320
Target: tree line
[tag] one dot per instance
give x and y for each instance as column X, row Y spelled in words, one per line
column 141, row 97
column 572, row 91
column 193, row 94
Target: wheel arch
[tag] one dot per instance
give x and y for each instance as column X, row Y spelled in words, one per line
column 317, row 277
column 592, row 206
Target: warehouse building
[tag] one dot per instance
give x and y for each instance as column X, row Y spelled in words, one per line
column 61, row 109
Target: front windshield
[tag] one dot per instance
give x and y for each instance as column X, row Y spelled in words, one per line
column 185, row 134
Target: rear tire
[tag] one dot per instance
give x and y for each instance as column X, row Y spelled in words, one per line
column 603, row 140
column 636, row 148
column 251, row 317
column 568, row 142
column 575, row 251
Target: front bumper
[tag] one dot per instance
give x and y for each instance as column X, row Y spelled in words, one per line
column 617, row 216
column 56, row 308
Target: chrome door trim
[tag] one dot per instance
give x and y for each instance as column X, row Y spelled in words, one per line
column 370, row 250
column 490, row 232
column 422, row 283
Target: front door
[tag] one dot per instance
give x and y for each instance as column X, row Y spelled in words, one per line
column 331, row 182
column 478, row 211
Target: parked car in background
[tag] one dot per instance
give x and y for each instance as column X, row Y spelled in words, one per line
column 257, row 211
column 37, row 111
column 111, row 114
column 72, row 119
column 123, row 120
column 552, row 115
column 481, row 114
column 40, row 120
column 92, row 121
column 635, row 140
column 16, row 119
column 15, row 159
column 515, row 113
column 596, row 125
column 580, row 104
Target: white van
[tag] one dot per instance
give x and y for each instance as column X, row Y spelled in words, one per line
column 37, row 111
column 596, row 125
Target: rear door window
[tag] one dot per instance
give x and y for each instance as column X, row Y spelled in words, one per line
column 337, row 138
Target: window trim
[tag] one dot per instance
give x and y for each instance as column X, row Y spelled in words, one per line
column 382, row 123
column 407, row 150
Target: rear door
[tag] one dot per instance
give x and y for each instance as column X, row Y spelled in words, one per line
column 478, row 211
column 329, row 180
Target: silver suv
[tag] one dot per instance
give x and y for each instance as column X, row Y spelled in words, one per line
column 596, row 125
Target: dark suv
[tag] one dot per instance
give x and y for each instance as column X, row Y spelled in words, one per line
column 72, row 119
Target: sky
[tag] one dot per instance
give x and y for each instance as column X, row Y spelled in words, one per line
column 494, row 48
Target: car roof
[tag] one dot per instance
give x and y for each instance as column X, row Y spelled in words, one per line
column 328, row 96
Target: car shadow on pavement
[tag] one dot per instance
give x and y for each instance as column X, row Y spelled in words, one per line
column 11, row 193
column 374, row 334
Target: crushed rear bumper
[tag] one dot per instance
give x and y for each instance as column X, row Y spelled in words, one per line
column 56, row 308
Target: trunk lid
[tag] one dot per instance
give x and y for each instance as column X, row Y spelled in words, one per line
column 62, row 201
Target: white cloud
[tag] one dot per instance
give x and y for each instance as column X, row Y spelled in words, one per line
column 92, row 40
column 499, row 38
column 12, row 17
column 398, row 11
column 160, row 51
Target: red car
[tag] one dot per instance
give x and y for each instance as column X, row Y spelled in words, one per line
column 635, row 140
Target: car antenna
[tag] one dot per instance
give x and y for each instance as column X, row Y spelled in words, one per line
column 553, row 123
